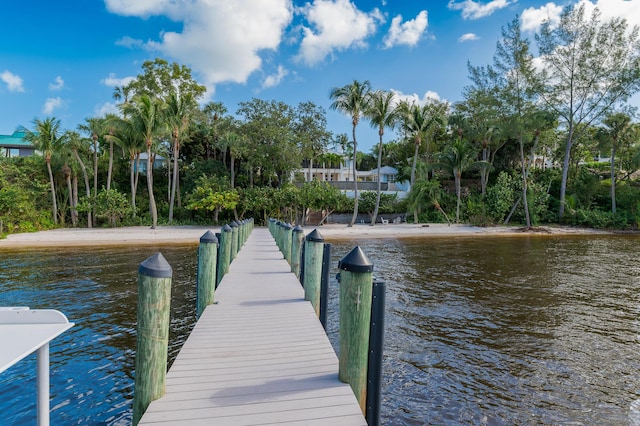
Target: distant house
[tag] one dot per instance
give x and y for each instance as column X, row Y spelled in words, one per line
column 341, row 176
column 15, row 145
column 158, row 162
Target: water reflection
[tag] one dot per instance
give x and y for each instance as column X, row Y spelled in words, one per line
column 494, row 331
column 521, row 330
column 91, row 364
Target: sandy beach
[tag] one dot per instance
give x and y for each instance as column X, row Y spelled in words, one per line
column 143, row 235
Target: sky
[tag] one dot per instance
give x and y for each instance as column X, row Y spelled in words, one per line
column 63, row 58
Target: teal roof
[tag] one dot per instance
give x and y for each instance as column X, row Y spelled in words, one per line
column 16, row 140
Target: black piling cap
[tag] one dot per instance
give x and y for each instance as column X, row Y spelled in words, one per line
column 156, row 267
column 298, row 229
column 209, row 237
column 287, row 227
column 356, row 261
column 314, row 236
column 234, row 224
column 226, row 228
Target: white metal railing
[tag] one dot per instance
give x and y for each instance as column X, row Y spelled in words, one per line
column 24, row 331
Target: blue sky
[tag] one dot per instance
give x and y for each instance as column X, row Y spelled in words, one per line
column 63, row 58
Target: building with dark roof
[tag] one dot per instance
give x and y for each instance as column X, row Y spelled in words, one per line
column 15, row 145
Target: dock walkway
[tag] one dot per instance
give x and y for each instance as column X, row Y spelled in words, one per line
column 258, row 356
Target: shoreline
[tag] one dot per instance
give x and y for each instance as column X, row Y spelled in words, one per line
column 163, row 235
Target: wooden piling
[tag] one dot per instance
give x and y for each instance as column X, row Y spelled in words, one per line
column 297, row 240
column 234, row 239
column 313, row 250
column 286, row 242
column 225, row 251
column 206, row 278
column 154, row 303
column 356, row 283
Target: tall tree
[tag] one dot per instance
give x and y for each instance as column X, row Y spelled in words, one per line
column 77, row 144
column 352, row 99
column 618, row 129
column 459, row 157
column 311, row 132
column 179, row 110
column 48, row 138
column 589, row 67
column 382, row 114
column 515, row 88
column 146, row 117
column 93, row 128
column 418, row 122
column 132, row 143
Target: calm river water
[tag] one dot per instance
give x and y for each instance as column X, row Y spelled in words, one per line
column 479, row 331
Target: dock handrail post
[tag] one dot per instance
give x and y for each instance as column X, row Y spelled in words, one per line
column 376, row 348
column 313, row 250
column 42, row 377
column 154, row 303
column 287, row 234
column 324, row 284
column 206, row 274
column 225, row 251
column 356, row 282
column 297, row 240
column 234, row 239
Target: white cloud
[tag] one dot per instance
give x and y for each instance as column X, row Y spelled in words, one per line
column 275, row 79
column 467, row 37
column 103, row 109
column 130, row 42
column 13, row 81
column 474, row 10
column 113, row 81
column 58, row 84
column 628, row 9
column 408, row 33
column 220, row 39
column 336, row 25
column 414, row 98
column 532, row 18
column 51, row 104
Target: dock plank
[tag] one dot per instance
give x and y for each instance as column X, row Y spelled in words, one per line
column 258, row 356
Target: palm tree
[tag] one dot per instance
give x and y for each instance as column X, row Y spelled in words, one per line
column 109, row 130
column 93, row 128
column 381, row 114
column 352, row 100
column 424, row 193
column 77, row 144
column 459, row 157
column 47, row 138
column 416, row 122
column 132, row 143
column 618, row 126
column 145, row 115
column 178, row 113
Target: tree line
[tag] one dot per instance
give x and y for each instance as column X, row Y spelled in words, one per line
column 520, row 146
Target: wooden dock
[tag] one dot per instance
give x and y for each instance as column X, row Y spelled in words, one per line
column 258, row 356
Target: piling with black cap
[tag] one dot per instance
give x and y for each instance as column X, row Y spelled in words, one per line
column 206, row 278
column 297, row 240
column 356, row 282
column 234, row 239
column 154, row 306
column 287, row 234
column 313, row 250
column 226, row 234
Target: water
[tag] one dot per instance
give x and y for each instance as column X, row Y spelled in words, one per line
column 92, row 364
column 494, row 331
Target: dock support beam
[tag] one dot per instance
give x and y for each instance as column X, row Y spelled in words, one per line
column 356, row 282
column 154, row 303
